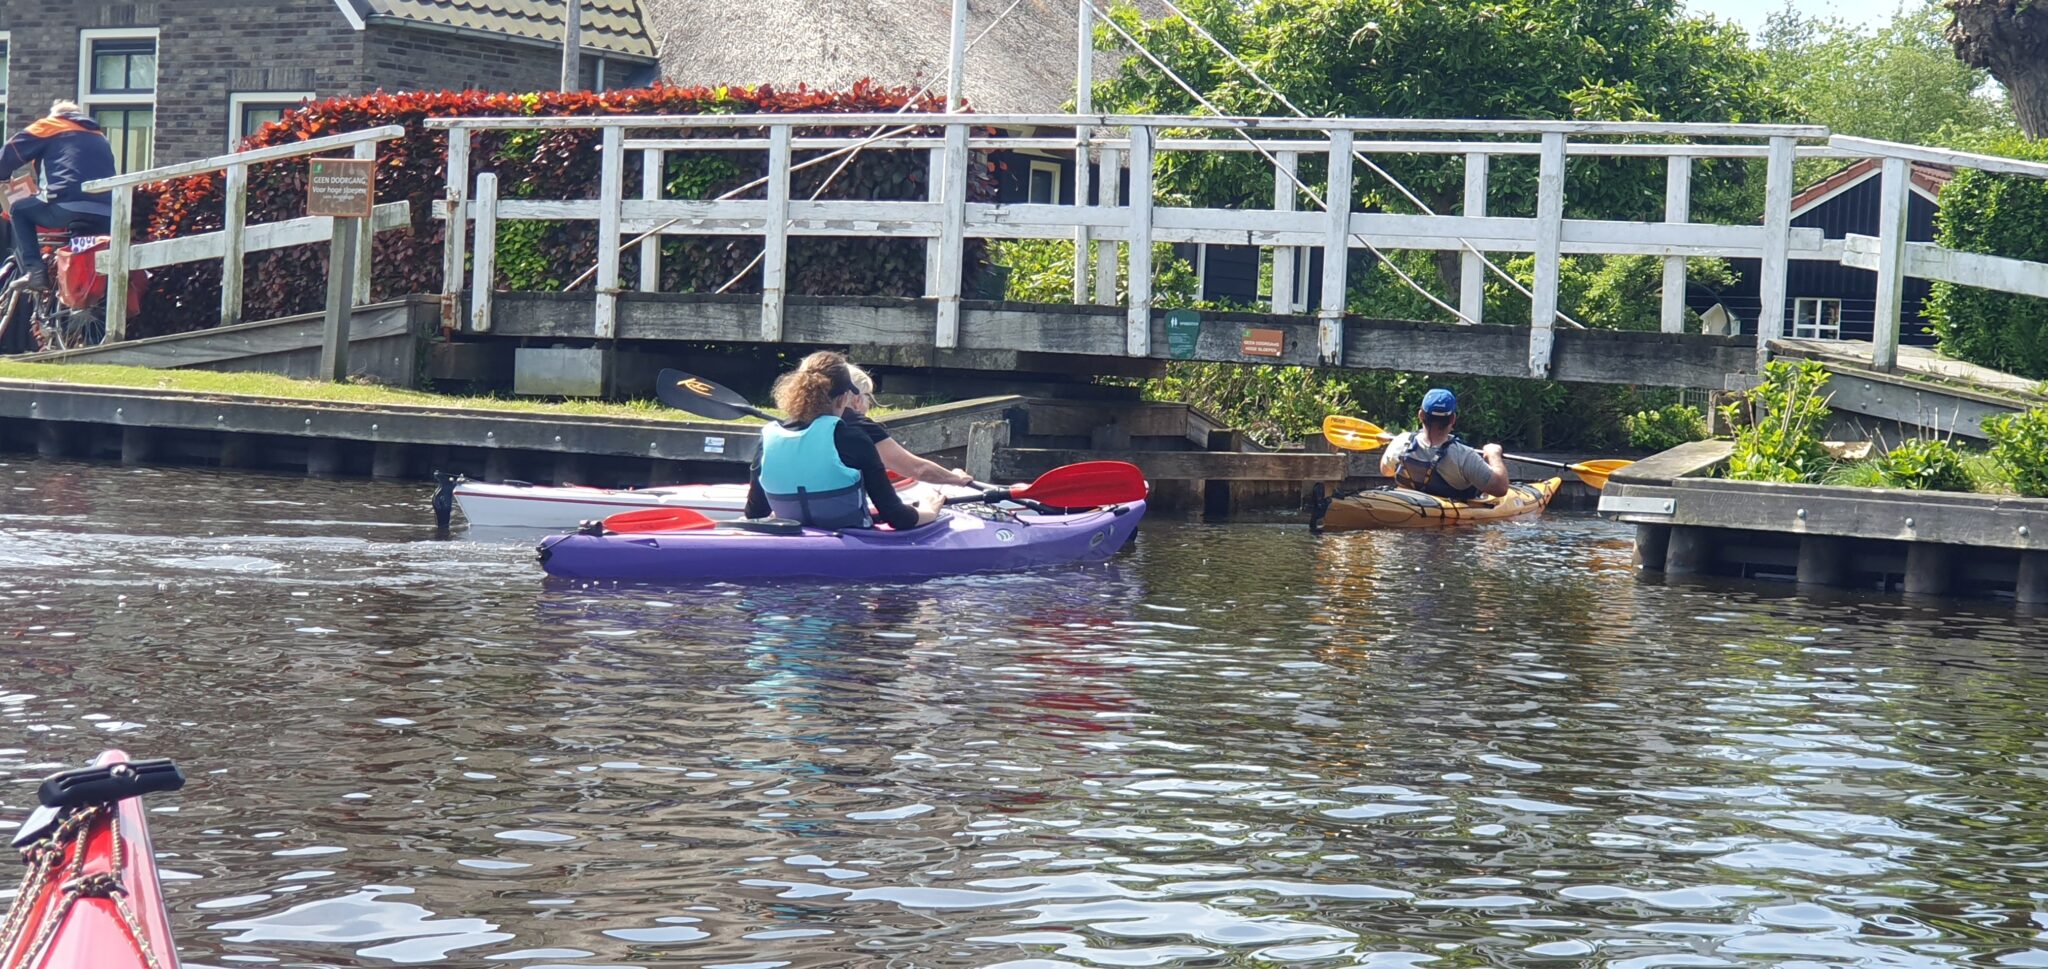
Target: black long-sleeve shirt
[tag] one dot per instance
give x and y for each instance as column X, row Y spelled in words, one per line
column 856, row 451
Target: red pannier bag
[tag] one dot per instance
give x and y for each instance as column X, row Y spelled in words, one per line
column 79, row 281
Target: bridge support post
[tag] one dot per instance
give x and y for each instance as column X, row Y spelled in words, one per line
column 234, row 214
column 367, row 151
column 1105, row 256
column 120, row 233
column 484, row 266
column 1549, row 253
column 457, row 228
column 775, row 238
column 952, row 234
column 1472, row 265
column 651, row 178
column 1138, row 329
column 1770, row 323
column 1336, row 251
column 1677, row 208
column 1286, row 165
column 1894, row 186
column 611, row 184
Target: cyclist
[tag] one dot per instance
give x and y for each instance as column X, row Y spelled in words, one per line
column 69, row 150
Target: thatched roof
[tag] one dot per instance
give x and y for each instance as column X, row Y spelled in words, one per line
column 1025, row 65
column 608, row 25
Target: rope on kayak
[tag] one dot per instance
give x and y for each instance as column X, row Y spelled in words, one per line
column 46, row 856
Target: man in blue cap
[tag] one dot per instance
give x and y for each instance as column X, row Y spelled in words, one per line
column 1432, row 460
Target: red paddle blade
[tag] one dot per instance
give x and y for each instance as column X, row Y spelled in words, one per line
column 657, row 520
column 1086, row 485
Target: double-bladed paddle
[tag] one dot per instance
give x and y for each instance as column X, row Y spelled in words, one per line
column 689, row 392
column 1355, row 434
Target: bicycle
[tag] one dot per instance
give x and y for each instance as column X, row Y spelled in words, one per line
column 71, row 314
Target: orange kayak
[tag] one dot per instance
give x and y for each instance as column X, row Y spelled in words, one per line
column 1403, row 508
column 91, row 897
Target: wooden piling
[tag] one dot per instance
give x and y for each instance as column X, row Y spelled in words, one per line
column 1929, row 569
column 1653, row 543
column 1688, row 551
column 1822, row 560
column 2031, row 586
column 391, row 460
column 324, row 458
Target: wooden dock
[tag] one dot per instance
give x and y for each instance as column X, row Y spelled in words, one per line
column 1918, row 542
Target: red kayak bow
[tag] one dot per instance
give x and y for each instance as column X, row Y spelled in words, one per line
column 91, row 896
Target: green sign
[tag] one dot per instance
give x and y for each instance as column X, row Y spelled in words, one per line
column 1183, row 331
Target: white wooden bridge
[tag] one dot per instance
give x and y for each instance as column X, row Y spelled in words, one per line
column 1304, row 214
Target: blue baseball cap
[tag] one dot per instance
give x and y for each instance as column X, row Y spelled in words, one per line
column 1439, row 402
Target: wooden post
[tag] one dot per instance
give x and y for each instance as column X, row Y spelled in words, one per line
column 1105, row 256
column 366, row 246
column 611, row 188
column 1653, row 542
column 390, row 459
column 1895, row 192
column 1770, row 322
column 1549, row 253
column 456, row 228
column 956, row 57
column 1930, row 569
column 1472, row 265
column 1336, row 252
column 983, row 439
column 1084, row 103
column 572, row 45
column 1286, row 168
column 2030, row 585
column 1138, row 324
column 341, row 278
column 234, row 215
column 775, row 235
column 651, row 165
column 1677, row 208
column 952, row 235
column 483, row 278
column 1689, row 550
column 1822, row 560
column 934, row 192
column 138, row 445
column 121, row 235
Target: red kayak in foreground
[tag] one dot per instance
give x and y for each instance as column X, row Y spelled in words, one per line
column 91, row 896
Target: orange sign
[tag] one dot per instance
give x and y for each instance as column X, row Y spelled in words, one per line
column 1264, row 343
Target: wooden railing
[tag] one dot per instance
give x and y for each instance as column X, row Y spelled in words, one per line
column 946, row 218
column 236, row 238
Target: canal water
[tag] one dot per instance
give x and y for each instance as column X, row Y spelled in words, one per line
column 1239, row 745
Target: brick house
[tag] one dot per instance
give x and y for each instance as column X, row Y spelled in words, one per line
column 177, row 80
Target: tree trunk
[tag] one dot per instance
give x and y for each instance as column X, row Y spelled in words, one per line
column 2009, row 38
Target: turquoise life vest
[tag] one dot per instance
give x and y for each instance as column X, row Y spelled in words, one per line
column 803, row 478
column 1416, row 469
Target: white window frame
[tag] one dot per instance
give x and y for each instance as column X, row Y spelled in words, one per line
column 241, row 99
column 1813, row 328
column 89, row 100
column 7, row 41
column 1052, row 168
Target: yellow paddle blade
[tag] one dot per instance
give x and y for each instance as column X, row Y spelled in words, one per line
column 1595, row 472
column 1354, row 434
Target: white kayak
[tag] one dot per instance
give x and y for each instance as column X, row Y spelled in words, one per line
column 520, row 505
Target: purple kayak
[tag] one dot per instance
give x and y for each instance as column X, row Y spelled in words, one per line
column 956, row 544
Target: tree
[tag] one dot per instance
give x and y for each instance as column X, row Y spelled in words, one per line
column 1900, row 82
column 2009, row 38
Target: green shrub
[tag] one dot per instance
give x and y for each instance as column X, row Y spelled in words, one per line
column 2019, row 442
column 1924, row 464
column 1666, row 427
column 2005, row 215
column 1779, row 437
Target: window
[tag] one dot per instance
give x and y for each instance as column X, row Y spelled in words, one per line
column 117, row 86
column 1044, row 188
column 248, row 113
column 1816, row 319
column 3, row 82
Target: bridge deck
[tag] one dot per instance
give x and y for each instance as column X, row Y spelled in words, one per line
column 992, row 335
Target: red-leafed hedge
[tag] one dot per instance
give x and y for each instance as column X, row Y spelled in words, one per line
column 557, row 164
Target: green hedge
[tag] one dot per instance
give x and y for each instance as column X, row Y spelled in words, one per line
column 2004, row 215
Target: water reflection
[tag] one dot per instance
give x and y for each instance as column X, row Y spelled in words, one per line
column 1237, row 746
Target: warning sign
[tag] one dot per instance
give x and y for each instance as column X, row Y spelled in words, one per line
column 344, row 188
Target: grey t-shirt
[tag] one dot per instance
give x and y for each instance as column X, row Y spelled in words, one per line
column 1462, row 466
